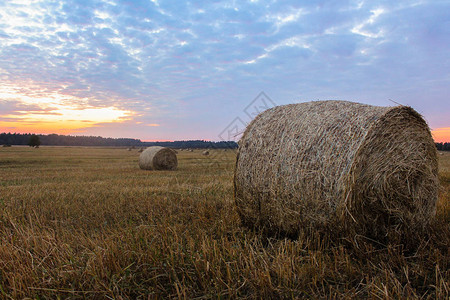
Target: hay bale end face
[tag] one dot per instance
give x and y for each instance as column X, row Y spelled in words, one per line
column 158, row 158
column 328, row 163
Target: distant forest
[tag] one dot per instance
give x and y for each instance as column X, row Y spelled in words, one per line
column 68, row 140
column 443, row 146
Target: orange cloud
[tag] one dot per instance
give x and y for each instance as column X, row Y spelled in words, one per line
column 40, row 127
column 441, row 134
column 62, row 120
column 30, row 111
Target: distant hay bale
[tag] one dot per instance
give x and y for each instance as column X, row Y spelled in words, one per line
column 141, row 150
column 158, row 158
column 129, row 149
column 206, row 152
column 190, row 150
column 322, row 164
column 175, row 151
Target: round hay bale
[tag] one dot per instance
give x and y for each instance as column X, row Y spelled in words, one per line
column 158, row 158
column 336, row 163
column 141, row 150
column 206, row 152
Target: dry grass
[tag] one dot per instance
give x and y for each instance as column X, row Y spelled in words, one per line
column 88, row 223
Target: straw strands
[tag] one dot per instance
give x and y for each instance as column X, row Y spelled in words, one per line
column 158, row 158
column 327, row 163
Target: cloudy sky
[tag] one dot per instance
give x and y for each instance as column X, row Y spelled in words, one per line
column 172, row 69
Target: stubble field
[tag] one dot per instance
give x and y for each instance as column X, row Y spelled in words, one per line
column 88, row 223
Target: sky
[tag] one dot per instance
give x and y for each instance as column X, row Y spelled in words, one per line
column 179, row 70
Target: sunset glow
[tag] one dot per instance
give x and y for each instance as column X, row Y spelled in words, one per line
column 37, row 111
column 441, row 135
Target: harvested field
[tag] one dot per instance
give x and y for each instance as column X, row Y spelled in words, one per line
column 88, row 223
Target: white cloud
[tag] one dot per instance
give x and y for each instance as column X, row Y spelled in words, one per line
column 361, row 30
column 281, row 19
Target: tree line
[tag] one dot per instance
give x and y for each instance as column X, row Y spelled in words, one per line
column 443, row 146
column 69, row 140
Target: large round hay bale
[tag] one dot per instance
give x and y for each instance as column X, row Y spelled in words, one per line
column 158, row 158
column 336, row 163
